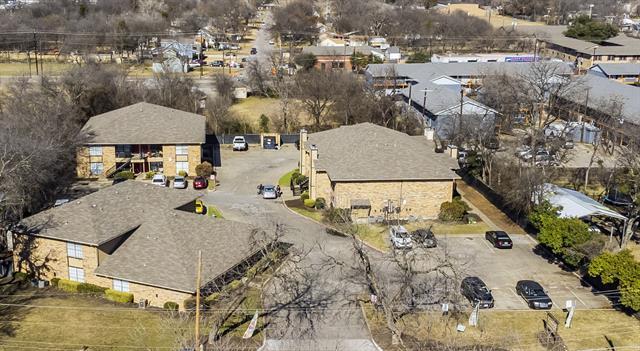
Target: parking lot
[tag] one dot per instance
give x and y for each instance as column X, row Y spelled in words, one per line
column 501, row 269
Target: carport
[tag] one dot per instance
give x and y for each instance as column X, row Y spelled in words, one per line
column 576, row 204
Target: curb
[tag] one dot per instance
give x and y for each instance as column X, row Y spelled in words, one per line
column 331, row 228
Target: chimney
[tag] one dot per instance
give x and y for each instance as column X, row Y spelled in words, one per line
column 302, row 144
column 453, row 151
column 429, row 133
column 312, row 172
column 314, row 152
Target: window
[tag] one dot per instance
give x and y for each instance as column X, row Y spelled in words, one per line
column 182, row 150
column 76, row 274
column 182, row 166
column 95, row 151
column 120, row 285
column 96, row 167
column 123, row 150
column 74, row 250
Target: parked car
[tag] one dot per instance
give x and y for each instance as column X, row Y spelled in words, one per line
column 229, row 53
column 217, row 63
column 159, row 179
column 254, row 51
column 269, row 192
column 234, row 47
column 499, row 239
column 271, row 42
column 424, row 237
column 477, row 292
column 400, row 238
column 200, row 183
column 534, row 294
column 240, row 144
column 568, row 144
column 199, row 207
column 180, row 182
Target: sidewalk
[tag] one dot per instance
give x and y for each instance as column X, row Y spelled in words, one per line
column 490, row 214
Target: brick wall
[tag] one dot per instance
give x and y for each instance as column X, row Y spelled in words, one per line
column 423, row 198
column 83, row 169
column 323, row 186
column 195, row 157
column 157, row 296
column 108, row 157
column 169, row 160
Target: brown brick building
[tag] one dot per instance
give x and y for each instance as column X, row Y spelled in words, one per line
column 142, row 137
column 134, row 237
column 339, row 57
column 373, row 171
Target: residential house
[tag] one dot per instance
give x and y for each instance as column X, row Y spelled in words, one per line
column 393, row 54
column 173, row 56
column 377, row 172
column 141, row 137
column 339, row 57
column 628, row 73
column 135, row 237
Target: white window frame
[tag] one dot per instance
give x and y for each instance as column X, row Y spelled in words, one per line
column 91, row 168
column 184, row 150
column 181, row 168
column 95, row 150
column 76, row 274
column 74, row 250
column 120, row 285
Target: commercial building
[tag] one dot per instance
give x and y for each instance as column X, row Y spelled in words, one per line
column 377, row 172
column 142, row 137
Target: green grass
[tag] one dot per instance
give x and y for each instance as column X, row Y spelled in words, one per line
column 297, row 206
column 212, row 210
column 285, row 180
column 373, row 235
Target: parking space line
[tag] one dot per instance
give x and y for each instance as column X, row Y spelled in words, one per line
column 487, row 245
column 579, row 299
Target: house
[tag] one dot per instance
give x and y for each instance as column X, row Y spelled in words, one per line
column 134, row 237
column 449, row 58
column 173, row 56
column 142, row 137
column 377, row 172
column 332, row 42
column 628, row 73
column 392, row 54
column 339, row 57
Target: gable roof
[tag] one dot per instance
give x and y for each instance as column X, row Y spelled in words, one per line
column 576, row 204
column 163, row 251
column 618, row 69
column 97, row 218
column 603, row 89
column 367, row 151
column 145, row 123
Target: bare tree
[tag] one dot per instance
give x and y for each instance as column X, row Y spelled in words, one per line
column 318, row 90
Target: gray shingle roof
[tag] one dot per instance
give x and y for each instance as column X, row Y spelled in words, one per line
column 108, row 213
column 338, row 50
column 603, row 89
column 367, row 151
column 619, row 69
column 145, row 123
column 164, row 250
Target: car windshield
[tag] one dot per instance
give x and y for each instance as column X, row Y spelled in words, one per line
column 268, row 188
column 238, row 140
column 537, row 292
column 157, row 180
column 500, row 235
column 179, row 179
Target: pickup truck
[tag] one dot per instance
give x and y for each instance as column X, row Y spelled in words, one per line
column 240, row 144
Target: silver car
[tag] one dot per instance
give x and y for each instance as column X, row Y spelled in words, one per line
column 400, row 238
column 180, row 182
column 269, row 192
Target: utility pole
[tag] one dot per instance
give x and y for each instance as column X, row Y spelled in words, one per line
column 197, row 347
column 35, row 48
column 201, row 56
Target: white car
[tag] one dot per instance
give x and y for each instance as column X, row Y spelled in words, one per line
column 269, row 192
column 159, row 179
column 271, row 42
column 180, row 182
column 240, row 144
column 400, row 238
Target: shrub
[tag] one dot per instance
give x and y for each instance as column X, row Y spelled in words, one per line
column 213, row 298
column 189, row 303
column 452, row 211
column 182, row 173
column 205, row 169
column 90, row 288
column 338, row 215
column 118, row 296
column 68, row 285
column 171, row 306
column 304, row 195
column 252, row 272
column 321, row 203
column 309, row 203
column 149, row 175
column 20, row 276
column 54, row 282
column 125, row 175
column 234, row 285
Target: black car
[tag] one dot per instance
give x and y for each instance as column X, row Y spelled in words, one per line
column 534, row 294
column 217, row 63
column 254, row 51
column 476, row 291
column 499, row 239
column 424, row 237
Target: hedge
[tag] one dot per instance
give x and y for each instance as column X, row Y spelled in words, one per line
column 54, row 281
column 452, row 211
column 233, row 285
column 149, row 175
column 309, row 203
column 125, row 175
column 182, row 173
column 90, row 288
column 189, row 303
column 118, row 296
column 304, row 195
column 170, row 305
column 68, row 285
column 212, row 298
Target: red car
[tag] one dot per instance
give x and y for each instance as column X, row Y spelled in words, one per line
column 200, row 183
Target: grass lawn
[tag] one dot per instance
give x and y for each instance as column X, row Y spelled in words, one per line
column 21, row 69
column 212, row 210
column 285, row 180
column 512, row 329
column 374, row 235
column 297, row 206
column 252, row 107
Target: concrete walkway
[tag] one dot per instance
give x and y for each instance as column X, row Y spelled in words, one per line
column 493, row 216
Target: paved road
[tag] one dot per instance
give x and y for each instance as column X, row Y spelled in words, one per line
column 341, row 326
